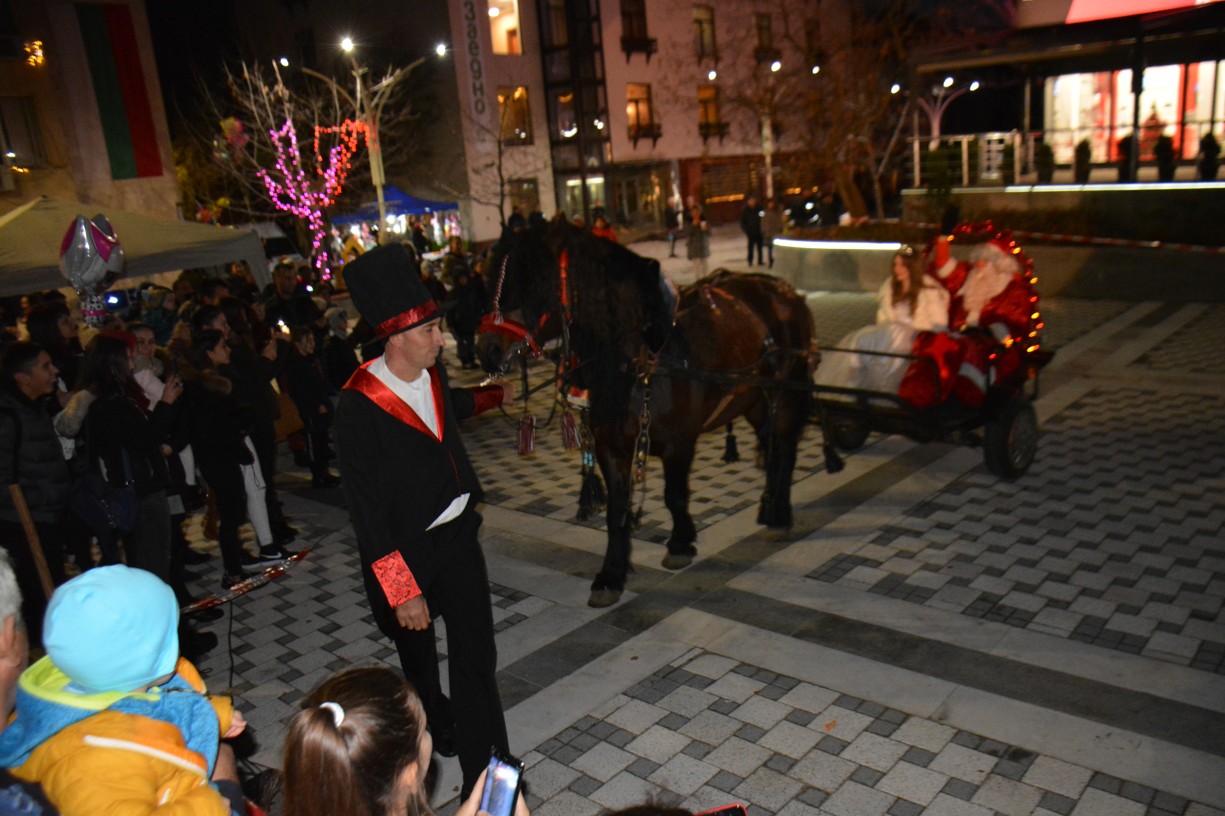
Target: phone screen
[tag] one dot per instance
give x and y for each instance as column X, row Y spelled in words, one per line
column 501, row 785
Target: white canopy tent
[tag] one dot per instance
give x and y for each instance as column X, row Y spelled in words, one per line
column 30, row 239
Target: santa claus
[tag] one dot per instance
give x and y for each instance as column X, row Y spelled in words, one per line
column 993, row 311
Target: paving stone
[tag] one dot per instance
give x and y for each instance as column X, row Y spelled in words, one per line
column 841, row 723
column 636, row 716
column 1060, row 777
column 737, row 756
column 963, row 763
column 789, row 739
column 924, row 734
column 683, row 774
column 763, row 713
column 1095, row 802
column 658, row 744
column 874, row 751
column 912, row 783
column 711, row 727
column 768, row 789
column 625, row 790
column 603, row 761
column 568, row 803
column 853, row 799
column 735, row 687
column 1007, row 796
column 822, row 771
column 687, row 701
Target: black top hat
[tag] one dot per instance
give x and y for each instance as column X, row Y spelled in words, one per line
column 387, row 290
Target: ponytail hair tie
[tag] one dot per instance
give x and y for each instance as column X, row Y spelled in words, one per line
column 338, row 713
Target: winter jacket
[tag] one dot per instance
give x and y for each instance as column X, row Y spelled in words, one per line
column 215, row 420
column 113, row 425
column 309, row 392
column 116, row 752
column 750, row 221
column 32, row 448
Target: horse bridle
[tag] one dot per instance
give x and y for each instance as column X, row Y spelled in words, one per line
column 524, row 339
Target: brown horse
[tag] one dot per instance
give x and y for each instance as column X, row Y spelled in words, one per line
column 662, row 369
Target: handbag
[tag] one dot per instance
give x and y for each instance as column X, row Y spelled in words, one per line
column 107, row 511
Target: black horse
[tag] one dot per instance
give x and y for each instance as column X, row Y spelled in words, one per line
column 663, row 368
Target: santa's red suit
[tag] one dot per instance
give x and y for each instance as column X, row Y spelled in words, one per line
column 991, row 314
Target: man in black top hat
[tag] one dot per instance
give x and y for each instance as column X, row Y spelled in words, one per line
column 412, row 496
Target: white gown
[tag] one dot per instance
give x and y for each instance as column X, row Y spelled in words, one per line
column 893, row 332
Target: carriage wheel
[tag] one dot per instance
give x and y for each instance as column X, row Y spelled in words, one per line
column 1012, row 438
column 848, row 434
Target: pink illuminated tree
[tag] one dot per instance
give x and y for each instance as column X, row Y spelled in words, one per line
column 307, row 192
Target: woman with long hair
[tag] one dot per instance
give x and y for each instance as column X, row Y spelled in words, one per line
column 907, row 303
column 217, row 424
column 130, row 439
column 360, row 747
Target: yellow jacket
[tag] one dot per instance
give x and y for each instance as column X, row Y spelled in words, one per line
column 108, row 762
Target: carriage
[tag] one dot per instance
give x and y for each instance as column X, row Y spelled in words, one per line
column 1005, row 425
column 664, row 367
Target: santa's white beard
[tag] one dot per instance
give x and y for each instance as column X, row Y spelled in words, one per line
column 983, row 283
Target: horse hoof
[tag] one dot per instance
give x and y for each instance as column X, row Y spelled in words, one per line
column 676, row 561
column 601, row 598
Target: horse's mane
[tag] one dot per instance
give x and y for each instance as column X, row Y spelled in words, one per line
column 614, row 299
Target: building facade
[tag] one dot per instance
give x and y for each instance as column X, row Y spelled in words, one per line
column 621, row 106
column 81, row 113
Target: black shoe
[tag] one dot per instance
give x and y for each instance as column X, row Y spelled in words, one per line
column 326, row 480
column 231, row 581
column 271, row 556
column 444, row 739
column 194, row 558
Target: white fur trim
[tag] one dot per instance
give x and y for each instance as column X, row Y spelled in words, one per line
column 947, row 269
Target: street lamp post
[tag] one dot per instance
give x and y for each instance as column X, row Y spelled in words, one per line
column 935, row 106
column 368, row 101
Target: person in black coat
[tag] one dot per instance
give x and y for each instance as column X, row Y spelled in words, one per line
column 412, row 495
column 339, row 354
column 750, row 222
column 31, row 456
column 130, row 439
column 309, row 392
column 468, row 305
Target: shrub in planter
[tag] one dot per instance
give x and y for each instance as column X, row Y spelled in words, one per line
column 1209, row 157
column 1082, row 161
column 1044, row 160
column 1163, row 150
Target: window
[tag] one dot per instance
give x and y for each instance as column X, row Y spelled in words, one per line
column 634, row 19
column 639, row 113
column 764, row 51
column 524, row 195
column 555, row 30
column 709, row 121
column 634, row 37
column 514, row 115
column 704, row 32
column 504, row 26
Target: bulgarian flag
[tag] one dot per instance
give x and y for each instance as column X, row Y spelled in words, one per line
column 119, row 87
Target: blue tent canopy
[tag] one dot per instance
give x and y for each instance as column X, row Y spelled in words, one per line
column 396, row 202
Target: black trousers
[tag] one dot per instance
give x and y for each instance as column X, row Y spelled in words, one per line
column 758, row 242
column 460, row 594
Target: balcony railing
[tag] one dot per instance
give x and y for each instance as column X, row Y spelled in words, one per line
column 710, row 130
column 639, row 45
column 645, row 130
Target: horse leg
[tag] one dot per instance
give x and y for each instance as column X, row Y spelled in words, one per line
column 610, row 580
column 676, row 496
column 780, row 437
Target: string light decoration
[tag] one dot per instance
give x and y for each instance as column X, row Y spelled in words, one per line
column 986, row 231
column 307, row 194
column 35, row 57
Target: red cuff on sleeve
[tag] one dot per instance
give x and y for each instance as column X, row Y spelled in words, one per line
column 396, row 579
column 486, row 397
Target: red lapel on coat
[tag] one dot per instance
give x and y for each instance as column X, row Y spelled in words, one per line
column 377, row 392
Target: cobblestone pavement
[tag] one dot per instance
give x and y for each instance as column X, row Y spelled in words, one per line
column 928, row 639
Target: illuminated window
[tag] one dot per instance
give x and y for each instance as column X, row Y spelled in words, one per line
column 514, row 115
column 709, row 122
column 639, row 113
column 504, row 26
column 524, row 194
column 567, row 120
column 704, row 32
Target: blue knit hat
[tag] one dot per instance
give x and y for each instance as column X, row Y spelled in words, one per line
column 113, row 629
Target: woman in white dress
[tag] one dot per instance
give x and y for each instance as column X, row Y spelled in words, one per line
column 909, row 302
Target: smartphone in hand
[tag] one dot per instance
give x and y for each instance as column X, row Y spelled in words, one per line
column 501, row 784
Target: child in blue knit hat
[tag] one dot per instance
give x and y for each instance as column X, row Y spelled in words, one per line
column 112, row 714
